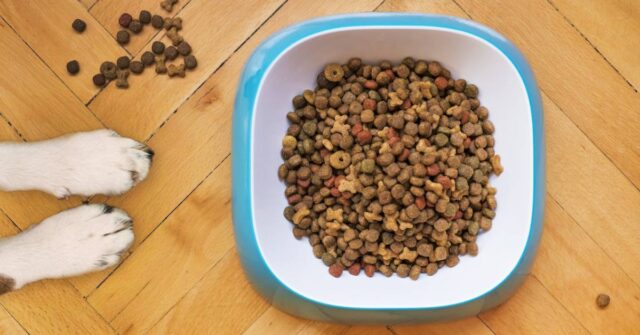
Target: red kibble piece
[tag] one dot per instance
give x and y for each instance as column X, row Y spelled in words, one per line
column 458, row 215
column 369, row 270
column 465, row 117
column 336, row 270
column 421, row 202
column 406, row 104
column 369, row 104
column 124, row 20
column 441, row 83
column 344, row 201
column 294, row 199
column 444, row 181
column 391, row 133
column 467, row 142
column 338, row 180
column 404, row 155
column 324, row 153
column 329, row 182
column 371, row 84
column 364, row 137
column 433, row 170
column 391, row 75
column 356, row 129
column 347, row 195
column 354, row 269
column 335, row 192
column 304, row 183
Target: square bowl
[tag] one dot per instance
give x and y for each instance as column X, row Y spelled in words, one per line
column 284, row 270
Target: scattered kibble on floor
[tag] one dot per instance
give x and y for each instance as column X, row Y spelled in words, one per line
column 603, row 300
column 168, row 4
column 78, row 25
column 73, row 67
column 162, row 56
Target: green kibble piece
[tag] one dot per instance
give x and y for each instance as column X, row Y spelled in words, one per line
column 368, row 165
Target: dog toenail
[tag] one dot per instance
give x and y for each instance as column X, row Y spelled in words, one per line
column 101, row 263
column 150, row 152
column 107, row 209
column 134, row 175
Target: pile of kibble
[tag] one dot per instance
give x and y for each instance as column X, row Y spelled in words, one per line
column 159, row 54
column 387, row 168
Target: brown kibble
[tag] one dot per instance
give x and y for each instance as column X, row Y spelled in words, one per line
column 174, row 36
column 369, row 270
column 333, row 72
column 157, row 21
column 602, row 300
column 176, row 70
column 170, row 53
column 184, row 48
column 336, row 270
column 124, row 20
column 108, row 69
column 135, row 26
column 136, row 67
column 354, row 269
column 340, row 160
column 99, row 80
column 148, row 58
column 122, row 37
column 403, row 270
column 190, row 62
column 168, row 4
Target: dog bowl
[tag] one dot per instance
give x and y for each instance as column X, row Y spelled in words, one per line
column 284, row 269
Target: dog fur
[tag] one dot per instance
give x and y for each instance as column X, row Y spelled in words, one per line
column 82, row 239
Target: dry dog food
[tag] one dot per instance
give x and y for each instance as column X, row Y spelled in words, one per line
column 78, row 25
column 603, row 300
column 124, row 20
column 122, row 37
column 123, row 62
column 73, row 67
column 99, row 80
column 144, row 17
column 387, row 168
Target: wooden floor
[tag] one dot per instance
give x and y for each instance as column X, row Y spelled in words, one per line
column 183, row 275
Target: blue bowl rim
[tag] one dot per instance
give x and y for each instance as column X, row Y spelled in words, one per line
column 256, row 268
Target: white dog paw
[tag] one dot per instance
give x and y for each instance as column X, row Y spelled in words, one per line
column 89, row 163
column 76, row 241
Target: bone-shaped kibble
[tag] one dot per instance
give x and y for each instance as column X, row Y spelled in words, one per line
column 173, row 35
column 176, row 70
column 161, row 66
column 168, row 5
column 121, row 81
column 172, row 22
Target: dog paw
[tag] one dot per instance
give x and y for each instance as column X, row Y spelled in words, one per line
column 96, row 162
column 76, row 241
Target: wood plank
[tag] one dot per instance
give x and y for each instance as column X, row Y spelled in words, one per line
column 574, row 269
column 53, row 39
column 322, row 328
column 582, row 180
column 612, row 27
column 107, row 13
column 367, row 330
column 198, row 137
column 137, row 112
column 446, row 7
column 198, row 235
column 88, row 3
column 223, row 301
column 50, row 306
column 567, row 68
column 468, row 326
column 9, row 325
column 38, row 105
column 532, row 310
column 273, row 321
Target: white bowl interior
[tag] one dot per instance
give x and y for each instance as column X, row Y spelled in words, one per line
column 501, row 90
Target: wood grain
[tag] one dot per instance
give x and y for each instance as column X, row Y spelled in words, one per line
column 612, row 27
column 223, row 300
column 532, row 310
column 56, row 43
column 182, row 278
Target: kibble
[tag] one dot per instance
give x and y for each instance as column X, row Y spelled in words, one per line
column 99, row 80
column 73, row 67
column 603, row 300
column 171, row 52
column 147, row 58
column 122, row 37
column 390, row 165
column 136, row 67
column 124, row 20
column 123, row 62
column 144, row 17
column 184, row 48
column 135, row 26
column 157, row 21
column 78, row 25
column 108, row 69
column 190, row 62
column 168, row 4
column 157, row 47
